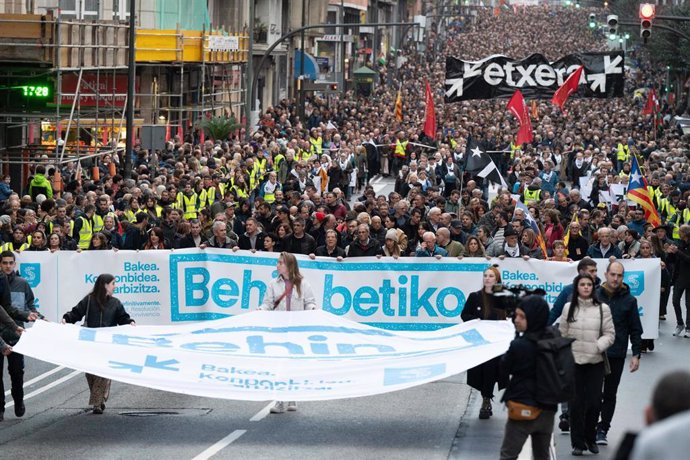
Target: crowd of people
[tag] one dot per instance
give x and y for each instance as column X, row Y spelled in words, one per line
column 303, row 186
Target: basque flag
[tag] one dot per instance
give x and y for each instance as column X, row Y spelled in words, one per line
column 639, row 193
column 481, row 164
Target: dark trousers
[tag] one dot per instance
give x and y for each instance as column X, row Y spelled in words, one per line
column 611, row 382
column 15, row 367
column 517, row 432
column 585, row 406
column 677, row 294
column 663, row 301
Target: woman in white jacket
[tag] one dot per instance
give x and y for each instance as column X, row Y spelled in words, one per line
column 289, row 291
column 589, row 322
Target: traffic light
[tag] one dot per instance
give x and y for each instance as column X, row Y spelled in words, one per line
column 592, row 21
column 333, row 87
column 647, row 14
column 612, row 22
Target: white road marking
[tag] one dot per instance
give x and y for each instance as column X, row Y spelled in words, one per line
column 47, row 387
column 39, row 378
column 262, row 413
column 220, row 445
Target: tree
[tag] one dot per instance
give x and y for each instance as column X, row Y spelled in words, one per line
column 219, row 128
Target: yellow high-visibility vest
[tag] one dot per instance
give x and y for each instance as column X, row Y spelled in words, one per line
column 531, row 195
column 623, row 152
column 400, row 148
column 316, row 145
column 189, row 202
column 85, row 233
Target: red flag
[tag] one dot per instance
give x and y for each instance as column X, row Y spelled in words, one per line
column 518, row 108
column 430, row 116
column 652, row 105
column 569, row 87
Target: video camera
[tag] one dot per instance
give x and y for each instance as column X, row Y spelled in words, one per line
column 508, row 297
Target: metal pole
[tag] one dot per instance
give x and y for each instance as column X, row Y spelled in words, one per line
column 131, row 75
column 249, row 89
column 301, row 61
column 342, row 46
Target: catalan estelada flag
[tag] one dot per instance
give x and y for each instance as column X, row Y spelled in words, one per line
column 398, row 106
column 533, row 225
column 638, row 192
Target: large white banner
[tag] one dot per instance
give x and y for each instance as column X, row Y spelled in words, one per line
column 169, row 287
column 289, row 356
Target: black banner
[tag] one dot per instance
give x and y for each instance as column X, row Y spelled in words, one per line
column 537, row 78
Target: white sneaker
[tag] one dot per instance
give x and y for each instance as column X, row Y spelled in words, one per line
column 679, row 331
column 279, row 408
column 291, row 406
column 687, row 333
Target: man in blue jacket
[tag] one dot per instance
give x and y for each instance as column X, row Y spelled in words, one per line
column 586, row 266
column 626, row 319
column 22, row 299
column 604, row 249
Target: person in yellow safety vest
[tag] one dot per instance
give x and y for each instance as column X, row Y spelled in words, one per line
column 19, row 241
column 514, row 148
column 277, row 160
column 153, row 208
column 669, row 205
column 654, row 190
column 625, row 172
column 400, row 146
column 681, row 217
column 315, row 142
column 270, row 187
column 622, row 155
column 532, row 193
column 260, row 166
column 131, row 212
column 189, row 202
column 83, row 226
column 208, row 193
column 102, row 210
column 240, row 189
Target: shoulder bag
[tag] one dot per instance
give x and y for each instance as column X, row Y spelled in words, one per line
column 604, row 356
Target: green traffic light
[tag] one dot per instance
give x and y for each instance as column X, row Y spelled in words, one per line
column 592, row 25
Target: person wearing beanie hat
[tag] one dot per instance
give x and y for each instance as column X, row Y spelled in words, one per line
column 481, row 305
column 520, row 363
column 391, row 245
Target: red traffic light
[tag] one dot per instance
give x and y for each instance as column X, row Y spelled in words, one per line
column 647, row 11
column 333, row 87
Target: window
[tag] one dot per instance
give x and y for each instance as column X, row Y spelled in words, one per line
column 80, row 9
column 121, row 10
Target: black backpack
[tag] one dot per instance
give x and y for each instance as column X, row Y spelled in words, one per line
column 555, row 368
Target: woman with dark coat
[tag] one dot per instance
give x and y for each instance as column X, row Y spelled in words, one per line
column 520, row 363
column 480, row 305
column 99, row 309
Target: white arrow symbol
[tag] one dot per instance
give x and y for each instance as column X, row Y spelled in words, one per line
column 613, row 67
column 456, row 86
column 599, row 81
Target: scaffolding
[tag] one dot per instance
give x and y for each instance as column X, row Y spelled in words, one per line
column 182, row 76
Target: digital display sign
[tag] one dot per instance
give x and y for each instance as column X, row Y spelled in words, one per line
column 38, row 91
